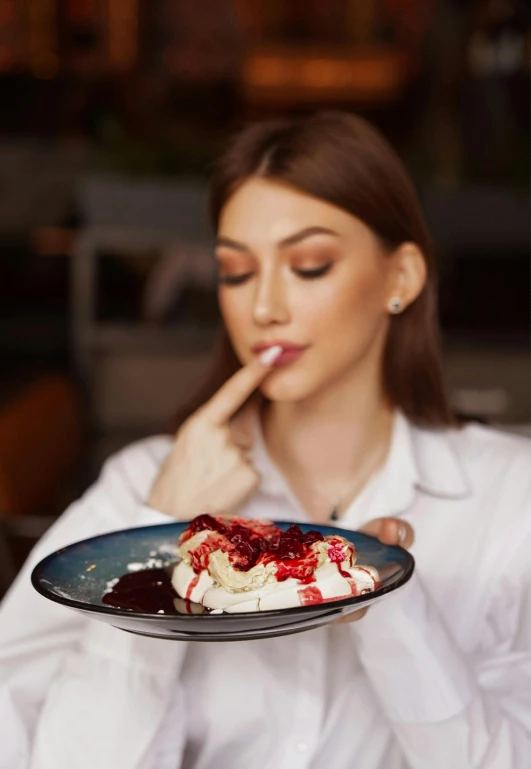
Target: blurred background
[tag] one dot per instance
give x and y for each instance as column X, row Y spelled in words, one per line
column 112, row 112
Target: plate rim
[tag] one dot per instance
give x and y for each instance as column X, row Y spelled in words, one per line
column 235, row 636
column 116, row 612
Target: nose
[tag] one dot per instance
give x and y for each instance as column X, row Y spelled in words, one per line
column 270, row 304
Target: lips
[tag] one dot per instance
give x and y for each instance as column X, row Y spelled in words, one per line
column 287, row 347
column 288, row 356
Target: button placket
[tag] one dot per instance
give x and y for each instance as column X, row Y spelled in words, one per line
column 309, row 703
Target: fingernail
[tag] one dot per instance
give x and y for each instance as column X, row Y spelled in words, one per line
column 402, row 532
column 269, row 356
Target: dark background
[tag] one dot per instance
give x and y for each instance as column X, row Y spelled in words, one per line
column 112, row 112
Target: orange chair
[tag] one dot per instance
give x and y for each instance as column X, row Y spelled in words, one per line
column 41, row 437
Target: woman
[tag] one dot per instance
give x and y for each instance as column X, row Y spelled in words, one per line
column 326, row 402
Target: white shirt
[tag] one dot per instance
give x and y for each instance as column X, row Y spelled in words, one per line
column 437, row 676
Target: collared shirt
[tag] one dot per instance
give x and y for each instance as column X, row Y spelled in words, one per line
column 437, row 676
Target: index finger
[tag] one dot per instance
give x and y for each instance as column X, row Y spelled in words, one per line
column 233, row 394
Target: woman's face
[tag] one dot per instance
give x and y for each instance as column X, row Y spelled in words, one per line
column 298, row 270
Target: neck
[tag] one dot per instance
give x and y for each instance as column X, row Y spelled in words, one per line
column 334, row 435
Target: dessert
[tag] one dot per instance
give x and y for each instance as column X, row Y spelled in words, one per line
column 242, row 565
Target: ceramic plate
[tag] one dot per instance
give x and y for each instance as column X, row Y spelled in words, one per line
column 79, row 575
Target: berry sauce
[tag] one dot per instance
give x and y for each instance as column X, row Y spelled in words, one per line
column 336, row 554
column 147, row 591
column 249, row 542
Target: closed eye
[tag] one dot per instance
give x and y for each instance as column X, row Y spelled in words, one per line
column 234, row 280
column 315, row 273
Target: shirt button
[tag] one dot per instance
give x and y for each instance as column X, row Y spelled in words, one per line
column 301, row 747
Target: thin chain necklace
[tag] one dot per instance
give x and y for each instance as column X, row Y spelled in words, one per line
column 338, row 499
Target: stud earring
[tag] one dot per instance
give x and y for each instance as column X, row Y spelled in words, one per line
column 395, row 305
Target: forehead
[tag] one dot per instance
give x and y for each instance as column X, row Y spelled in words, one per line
column 265, row 210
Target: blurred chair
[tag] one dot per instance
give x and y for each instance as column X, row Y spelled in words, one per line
column 41, row 436
column 135, row 373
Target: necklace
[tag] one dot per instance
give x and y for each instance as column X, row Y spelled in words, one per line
column 338, row 499
column 336, row 504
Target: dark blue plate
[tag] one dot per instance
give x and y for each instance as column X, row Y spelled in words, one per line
column 77, row 576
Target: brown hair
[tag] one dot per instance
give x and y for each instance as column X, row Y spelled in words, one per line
column 342, row 159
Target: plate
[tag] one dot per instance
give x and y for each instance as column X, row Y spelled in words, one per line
column 78, row 576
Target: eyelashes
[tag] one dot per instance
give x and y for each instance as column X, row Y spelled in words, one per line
column 235, row 280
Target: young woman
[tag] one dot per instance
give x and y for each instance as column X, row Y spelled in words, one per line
column 326, row 402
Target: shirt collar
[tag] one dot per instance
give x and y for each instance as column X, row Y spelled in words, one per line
column 441, row 470
column 418, row 458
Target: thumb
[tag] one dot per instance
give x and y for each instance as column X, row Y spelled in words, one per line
column 390, row 531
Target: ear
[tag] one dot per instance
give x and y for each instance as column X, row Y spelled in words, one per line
column 408, row 274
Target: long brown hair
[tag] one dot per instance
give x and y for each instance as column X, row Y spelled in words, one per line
column 342, row 159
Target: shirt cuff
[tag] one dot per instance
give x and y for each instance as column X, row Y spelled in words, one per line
column 411, row 659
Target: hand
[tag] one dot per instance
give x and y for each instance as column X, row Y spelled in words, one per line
column 208, row 469
column 390, row 531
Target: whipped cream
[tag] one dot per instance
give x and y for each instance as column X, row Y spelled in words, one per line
column 243, row 565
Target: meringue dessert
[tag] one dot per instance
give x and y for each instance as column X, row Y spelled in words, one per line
column 247, row 565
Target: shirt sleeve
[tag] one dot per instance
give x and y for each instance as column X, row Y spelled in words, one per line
column 37, row 636
column 448, row 708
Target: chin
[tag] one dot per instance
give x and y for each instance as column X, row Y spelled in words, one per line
column 283, row 390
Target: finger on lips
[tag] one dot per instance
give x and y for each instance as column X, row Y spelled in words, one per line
column 269, row 356
column 231, row 395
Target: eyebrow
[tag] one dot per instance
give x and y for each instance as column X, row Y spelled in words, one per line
column 291, row 240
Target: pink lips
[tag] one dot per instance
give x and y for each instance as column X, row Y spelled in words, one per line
column 290, row 352
column 289, row 355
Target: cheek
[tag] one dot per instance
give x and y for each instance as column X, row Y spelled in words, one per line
column 355, row 308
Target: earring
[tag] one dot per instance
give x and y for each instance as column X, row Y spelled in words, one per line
column 395, row 305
